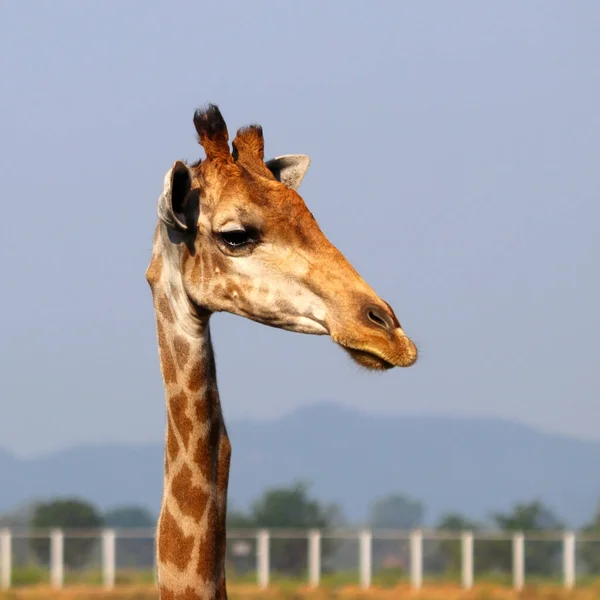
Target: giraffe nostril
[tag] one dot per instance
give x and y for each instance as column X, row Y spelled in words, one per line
column 379, row 318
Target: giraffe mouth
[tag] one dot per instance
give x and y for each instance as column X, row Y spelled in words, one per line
column 369, row 360
column 404, row 353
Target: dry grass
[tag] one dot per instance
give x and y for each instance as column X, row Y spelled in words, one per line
column 251, row 592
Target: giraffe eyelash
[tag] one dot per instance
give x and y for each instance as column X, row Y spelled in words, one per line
column 238, row 238
column 235, row 237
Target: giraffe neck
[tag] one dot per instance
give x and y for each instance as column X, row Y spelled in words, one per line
column 191, row 526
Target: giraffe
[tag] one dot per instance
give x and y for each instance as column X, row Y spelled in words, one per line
column 234, row 235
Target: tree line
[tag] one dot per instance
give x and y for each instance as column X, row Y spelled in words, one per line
column 293, row 507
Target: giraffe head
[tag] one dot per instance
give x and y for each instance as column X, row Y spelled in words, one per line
column 238, row 238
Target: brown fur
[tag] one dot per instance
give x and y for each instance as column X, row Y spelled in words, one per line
column 193, row 471
column 192, row 267
column 172, row 445
column 188, row 594
column 196, row 377
column 155, row 269
column 222, row 481
column 192, row 499
column 249, row 151
column 208, row 562
column 249, row 142
column 168, row 366
column 182, row 351
column 165, row 309
column 212, row 133
column 175, row 547
column 178, row 404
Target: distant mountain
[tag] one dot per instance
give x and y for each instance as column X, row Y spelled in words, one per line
column 473, row 466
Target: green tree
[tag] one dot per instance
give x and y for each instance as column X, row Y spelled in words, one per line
column 449, row 551
column 291, row 508
column 67, row 513
column 237, row 519
column 396, row 511
column 590, row 551
column 129, row 517
column 288, row 508
column 19, row 518
column 541, row 558
column 241, row 552
column 133, row 551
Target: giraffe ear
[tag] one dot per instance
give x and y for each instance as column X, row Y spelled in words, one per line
column 174, row 202
column 290, row 169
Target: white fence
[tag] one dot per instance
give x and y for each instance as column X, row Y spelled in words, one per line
column 311, row 555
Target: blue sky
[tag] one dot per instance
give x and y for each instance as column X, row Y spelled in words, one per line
column 454, row 161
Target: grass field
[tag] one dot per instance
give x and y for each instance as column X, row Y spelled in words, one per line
column 383, row 578
column 33, row 584
column 251, row 592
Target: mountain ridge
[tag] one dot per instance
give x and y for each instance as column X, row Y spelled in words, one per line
column 470, row 465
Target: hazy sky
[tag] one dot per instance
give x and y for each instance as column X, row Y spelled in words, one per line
column 455, row 161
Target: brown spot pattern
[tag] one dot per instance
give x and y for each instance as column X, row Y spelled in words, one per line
column 203, row 412
column 182, row 350
column 165, row 309
column 177, row 407
column 206, row 453
column 222, row 587
column 196, row 377
column 224, row 463
column 207, row 560
column 173, row 545
column 222, row 480
column 191, row 266
column 188, row 594
column 172, row 445
column 168, row 365
column 192, row 499
column 195, row 275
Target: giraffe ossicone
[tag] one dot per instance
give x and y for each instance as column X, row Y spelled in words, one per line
column 234, row 235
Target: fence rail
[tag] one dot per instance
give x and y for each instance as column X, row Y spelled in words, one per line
column 367, row 557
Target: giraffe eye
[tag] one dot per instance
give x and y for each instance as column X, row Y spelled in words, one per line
column 236, row 237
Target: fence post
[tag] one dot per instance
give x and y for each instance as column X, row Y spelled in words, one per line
column 416, row 559
column 262, row 556
column 569, row 559
column 314, row 558
column 365, row 558
column 518, row 544
column 467, row 559
column 109, row 558
column 5, row 558
column 57, row 555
